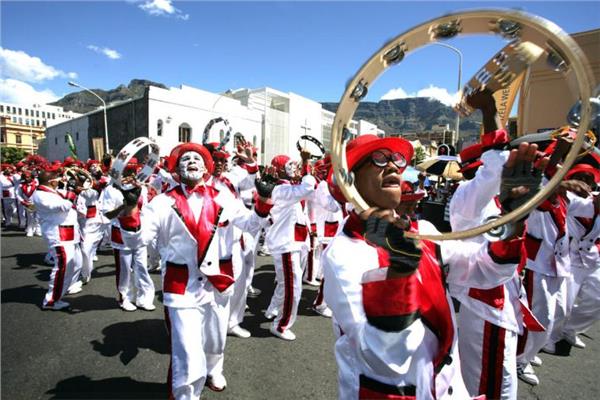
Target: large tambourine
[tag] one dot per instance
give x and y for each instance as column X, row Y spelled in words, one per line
column 317, row 145
column 517, row 27
column 226, row 136
column 127, row 153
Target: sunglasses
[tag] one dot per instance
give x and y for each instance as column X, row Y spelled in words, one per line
column 381, row 159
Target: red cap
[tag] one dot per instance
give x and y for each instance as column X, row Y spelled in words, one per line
column 408, row 192
column 91, row 162
column 469, row 157
column 584, row 169
column 361, row 147
column 179, row 150
column 280, row 161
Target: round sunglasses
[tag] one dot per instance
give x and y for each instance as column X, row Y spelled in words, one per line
column 381, row 159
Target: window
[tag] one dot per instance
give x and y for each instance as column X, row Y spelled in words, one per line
column 14, row 110
column 20, row 110
column 76, row 135
column 34, row 137
column 65, row 138
column 43, row 114
column 20, row 120
column 37, row 113
column 159, row 127
column 185, row 132
column 37, row 122
column 1, row 108
column 44, row 122
column 14, row 119
column 53, row 116
column 18, row 139
column 3, row 135
column 56, row 140
column 26, row 112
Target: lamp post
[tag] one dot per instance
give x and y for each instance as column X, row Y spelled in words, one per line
column 460, row 57
column 71, row 83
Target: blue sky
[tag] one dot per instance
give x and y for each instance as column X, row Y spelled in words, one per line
column 310, row 48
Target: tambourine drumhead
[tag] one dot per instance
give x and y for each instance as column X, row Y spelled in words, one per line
column 127, row 153
column 311, row 144
column 515, row 26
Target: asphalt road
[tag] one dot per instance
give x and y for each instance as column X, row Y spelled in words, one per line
column 98, row 351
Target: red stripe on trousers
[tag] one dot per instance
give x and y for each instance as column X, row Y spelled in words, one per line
column 528, row 283
column 492, row 359
column 319, row 299
column 118, row 272
column 310, row 266
column 288, row 286
column 59, row 278
column 170, row 371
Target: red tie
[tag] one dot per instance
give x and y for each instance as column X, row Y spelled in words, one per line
column 200, row 189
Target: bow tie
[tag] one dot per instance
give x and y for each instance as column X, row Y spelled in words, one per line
column 200, row 189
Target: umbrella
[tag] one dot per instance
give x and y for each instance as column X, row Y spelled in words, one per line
column 410, row 174
column 446, row 166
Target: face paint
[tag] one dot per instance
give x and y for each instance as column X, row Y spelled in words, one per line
column 291, row 168
column 191, row 166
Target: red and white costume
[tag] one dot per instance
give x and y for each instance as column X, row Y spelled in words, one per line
column 134, row 284
column 24, row 193
column 397, row 337
column 9, row 200
column 90, row 223
column 286, row 239
column 58, row 220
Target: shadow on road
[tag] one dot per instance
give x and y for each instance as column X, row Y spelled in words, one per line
column 28, row 261
column 127, row 338
column 28, row 294
column 83, row 387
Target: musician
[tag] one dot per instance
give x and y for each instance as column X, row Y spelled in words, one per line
column 185, row 221
column 8, row 182
column 392, row 315
column 58, row 220
column 135, row 287
column 24, row 192
column 287, row 239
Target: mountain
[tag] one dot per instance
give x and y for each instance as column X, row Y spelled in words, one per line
column 83, row 101
column 412, row 115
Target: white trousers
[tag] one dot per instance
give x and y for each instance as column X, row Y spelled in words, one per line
column 131, row 272
column 33, row 224
column 488, row 357
column 547, row 297
column 197, row 346
column 585, row 310
column 90, row 241
column 9, row 209
column 67, row 260
column 312, row 269
column 244, row 255
column 21, row 215
column 285, row 300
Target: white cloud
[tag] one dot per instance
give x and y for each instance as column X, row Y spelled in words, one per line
column 19, row 65
column 433, row 92
column 15, row 91
column 110, row 53
column 163, row 8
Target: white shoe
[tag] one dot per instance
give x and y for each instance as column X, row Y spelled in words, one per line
column 580, row 344
column 29, row 234
column 38, row 233
column 59, row 305
column 527, row 374
column 270, row 315
column 549, row 348
column 323, row 310
column 536, row 361
column 240, row 332
column 128, row 306
column 216, row 383
column 312, row 283
column 95, row 258
column 150, row 307
column 75, row 288
column 285, row 335
column 85, row 279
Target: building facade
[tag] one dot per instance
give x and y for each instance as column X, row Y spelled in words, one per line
column 35, row 115
column 20, row 136
column 271, row 120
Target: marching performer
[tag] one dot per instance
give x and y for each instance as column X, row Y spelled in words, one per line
column 8, row 182
column 185, row 221
column 392, row 315
column 135, row 287
column 287, row 239
column 58, row 220
column 24, row 192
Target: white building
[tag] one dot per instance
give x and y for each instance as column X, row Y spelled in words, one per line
column 271, row 120
column 40, row 115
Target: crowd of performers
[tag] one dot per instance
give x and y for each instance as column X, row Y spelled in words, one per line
column 200, row 216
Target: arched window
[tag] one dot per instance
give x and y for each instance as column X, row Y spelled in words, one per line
column 159, row 127
column 185, row 132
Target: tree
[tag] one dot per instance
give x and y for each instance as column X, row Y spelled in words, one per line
column 420, row 155
column 12, row 155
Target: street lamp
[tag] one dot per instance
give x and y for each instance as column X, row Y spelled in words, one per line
column 454, row 49
column 71, row 83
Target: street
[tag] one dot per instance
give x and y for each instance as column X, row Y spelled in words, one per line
column 98, row 351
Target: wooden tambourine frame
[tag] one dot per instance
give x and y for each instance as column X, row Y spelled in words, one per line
column 516, row 27
column 127, row 153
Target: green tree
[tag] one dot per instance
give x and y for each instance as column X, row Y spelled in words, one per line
column 12, row 154
column 419, row 155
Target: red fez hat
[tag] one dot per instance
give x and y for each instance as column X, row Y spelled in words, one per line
column 280, row 161
column 408, row 192
column 91, row 162
column 361, row 147
column 584, row 169
column 217, row 154
column 179, row 150
column 469, row 157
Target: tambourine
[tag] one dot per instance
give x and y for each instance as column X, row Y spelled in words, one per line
column 517, row 27
column 127, row 153
column 226, row 137
column 316, row 142
column 74, row 171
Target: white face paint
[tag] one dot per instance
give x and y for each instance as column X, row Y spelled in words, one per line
column 291, row 168
column 191, row 166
